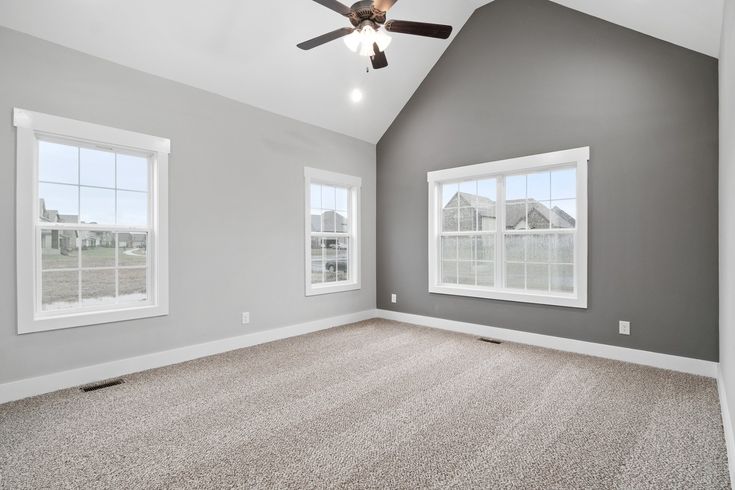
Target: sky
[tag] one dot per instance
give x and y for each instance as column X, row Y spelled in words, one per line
column 100, row 186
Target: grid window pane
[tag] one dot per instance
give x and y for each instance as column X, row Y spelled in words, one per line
column 466, row 273
column 515, row 215
column 465, row 248
column 98, row 287
column 329, row 196
column 537, row 277
column 342, row 198
column 449, row 196
column 562, row 278
column 317, row 262
column 316, row 220
column 315, row 196
column 59, row 203
column 329, row 221
column 58, row 163
column 468, row 193
column 450, row 219
column 132, row 172
column 515, row 248
column 467, row 219
column 537, row 248
column 96, row 168
column 487, row 191
column 485, row 273
column 564, row 213
column 562, row 248
column 564, row 184
column 132, row 285
column 132, row 208
column 515, row 276
column 485, row 247
column 449, row 271
column 132, row 249
column 98, row 248
column 515, row 187
column 449, row 248
column 538, row 214
column 97, row 205
column 539, row 186
column 59, row 290
column 59, row 249
column 486, row 218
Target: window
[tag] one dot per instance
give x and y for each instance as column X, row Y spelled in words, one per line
column 332, row 259
column 513, row 230
column 92, row 223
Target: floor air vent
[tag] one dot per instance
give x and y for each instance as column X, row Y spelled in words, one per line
column 99, row 386
column 489, row 341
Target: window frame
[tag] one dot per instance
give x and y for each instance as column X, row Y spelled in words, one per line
column 578, row 158
column 354, row 185
column 33, row 127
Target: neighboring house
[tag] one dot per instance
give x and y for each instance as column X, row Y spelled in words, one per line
column 473, row 208
column 66, row 241
column 329, row 217
column 131, row 240
column 61, row 241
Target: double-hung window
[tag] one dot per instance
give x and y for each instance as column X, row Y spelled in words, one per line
column 91, row 223
column 512, row 230
column 332, row 251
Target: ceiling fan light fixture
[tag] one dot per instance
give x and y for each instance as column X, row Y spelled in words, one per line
column 362, row 41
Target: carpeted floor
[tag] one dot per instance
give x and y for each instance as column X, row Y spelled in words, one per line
column 376, row 404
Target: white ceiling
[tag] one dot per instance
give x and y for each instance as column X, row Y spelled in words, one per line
column 248, row 52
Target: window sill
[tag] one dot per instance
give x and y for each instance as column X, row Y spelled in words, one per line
column 316, row 290
column 56, row 322
column 565, row 300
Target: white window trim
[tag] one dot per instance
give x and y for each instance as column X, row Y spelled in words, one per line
column 313, row 175
column 29, row 126
column 578, row 157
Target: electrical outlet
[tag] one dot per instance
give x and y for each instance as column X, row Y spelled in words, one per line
column 245, row 317
column 394, row 298
column 624, row 328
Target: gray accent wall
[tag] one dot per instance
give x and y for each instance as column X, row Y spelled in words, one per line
column 530, row 76
column 727, row 207
column 236, row 207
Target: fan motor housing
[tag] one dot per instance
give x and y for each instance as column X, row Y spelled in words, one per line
column 364, row 10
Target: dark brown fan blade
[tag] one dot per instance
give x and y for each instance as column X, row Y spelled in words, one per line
column 418, row 28
column 383, row 5
column 338, row 7
column 378, row 59
column 325, row 38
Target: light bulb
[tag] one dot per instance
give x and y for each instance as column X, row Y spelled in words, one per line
column 353, row 41
column 356, row 95
column 382, row 39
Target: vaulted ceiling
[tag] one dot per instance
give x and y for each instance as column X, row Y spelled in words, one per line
column 247, row 50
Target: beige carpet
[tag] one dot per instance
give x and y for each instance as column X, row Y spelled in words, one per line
column 377, row 404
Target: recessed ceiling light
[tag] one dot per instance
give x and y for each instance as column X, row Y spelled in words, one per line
column 356, row 95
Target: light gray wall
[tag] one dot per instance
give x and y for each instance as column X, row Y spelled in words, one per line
column 236, row 207
column 727, row 205
column 530, row 76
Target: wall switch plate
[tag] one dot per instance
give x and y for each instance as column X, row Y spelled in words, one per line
column 624, row 328
column 394, row 298
column 245, row 317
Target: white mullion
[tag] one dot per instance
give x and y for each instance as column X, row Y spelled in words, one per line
column 116, row 248
column 500, row 230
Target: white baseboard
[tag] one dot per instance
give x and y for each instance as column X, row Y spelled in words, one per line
column 664, row 361
column 727, row 424
column 24, row 388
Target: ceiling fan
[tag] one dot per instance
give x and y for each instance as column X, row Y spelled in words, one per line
column 367, row 34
